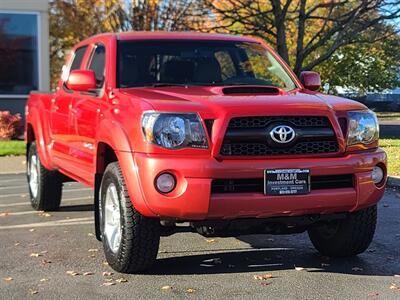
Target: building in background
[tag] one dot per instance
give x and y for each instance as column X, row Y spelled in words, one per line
column 24, row 51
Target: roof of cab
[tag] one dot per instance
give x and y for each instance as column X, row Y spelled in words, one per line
column 183, row 35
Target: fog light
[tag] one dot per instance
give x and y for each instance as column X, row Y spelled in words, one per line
column 165, row 183
column 377, row 174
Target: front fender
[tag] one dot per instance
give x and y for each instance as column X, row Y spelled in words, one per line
column 113, row 135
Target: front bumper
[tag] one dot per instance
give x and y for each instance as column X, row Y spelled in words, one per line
column 192, row 198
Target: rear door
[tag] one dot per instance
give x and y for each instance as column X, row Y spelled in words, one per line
column 60, row 114
column 85, row 109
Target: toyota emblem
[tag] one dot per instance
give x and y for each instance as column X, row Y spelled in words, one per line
column 282, row 134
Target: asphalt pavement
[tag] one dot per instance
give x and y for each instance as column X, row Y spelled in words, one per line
column 56, row 256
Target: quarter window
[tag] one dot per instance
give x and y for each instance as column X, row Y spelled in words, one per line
column 78, row 57
column 97, row 64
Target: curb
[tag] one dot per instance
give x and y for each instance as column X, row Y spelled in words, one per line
column 393, row 181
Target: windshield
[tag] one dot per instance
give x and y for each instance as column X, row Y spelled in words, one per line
column 207, row 63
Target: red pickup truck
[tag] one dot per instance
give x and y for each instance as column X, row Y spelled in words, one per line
column 204, row 133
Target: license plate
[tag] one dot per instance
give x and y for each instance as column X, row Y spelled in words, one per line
column 286, row 181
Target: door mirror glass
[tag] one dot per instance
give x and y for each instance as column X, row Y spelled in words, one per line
column 81, row 80
column 310, row 80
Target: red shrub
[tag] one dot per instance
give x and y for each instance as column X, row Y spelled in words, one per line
column 10, row 125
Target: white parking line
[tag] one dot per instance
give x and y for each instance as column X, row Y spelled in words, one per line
column 13, row 187
column 26, row 194
column 67, row 222
column 12, row 180
column 62, row 201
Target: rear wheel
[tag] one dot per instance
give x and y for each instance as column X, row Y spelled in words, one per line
column 346, row 237
column 130, row 240
column 45, row 186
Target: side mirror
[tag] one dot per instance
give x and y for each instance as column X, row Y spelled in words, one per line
column 310, row 80
column 81, row 80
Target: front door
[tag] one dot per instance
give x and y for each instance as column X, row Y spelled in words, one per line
column 85, row 109
column 60, row 116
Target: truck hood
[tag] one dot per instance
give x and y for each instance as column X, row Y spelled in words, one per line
column 213, row 101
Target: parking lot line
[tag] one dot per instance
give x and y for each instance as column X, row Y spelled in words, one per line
column 26, row 194
column 66, row 222
column 62, row 201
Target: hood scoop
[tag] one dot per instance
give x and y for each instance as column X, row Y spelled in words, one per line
column 260, row 90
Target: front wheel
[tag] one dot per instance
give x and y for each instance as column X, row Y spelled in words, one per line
column 45, row 186
column 130, row 240
column 347, row 237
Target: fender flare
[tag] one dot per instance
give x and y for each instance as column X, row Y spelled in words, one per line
column 41, row 132
column 110, row 133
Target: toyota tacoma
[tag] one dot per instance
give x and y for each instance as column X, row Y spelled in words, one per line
column 203, row 133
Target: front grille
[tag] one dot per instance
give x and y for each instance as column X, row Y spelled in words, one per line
column 261, row 122
column 256, row 185
column 249, row 136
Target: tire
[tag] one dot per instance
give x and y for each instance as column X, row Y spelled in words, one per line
column 136, row 238
column 346, row 237
column 45, row 186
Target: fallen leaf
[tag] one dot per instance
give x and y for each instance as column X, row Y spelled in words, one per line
column 357, row 269
column 43, row 280
column 17, row 244
column 72, row 273
column 35, row 255
column 87, row 273
column 93, row 250
column 8, row 279
column 265, row 283
column 373, row 294
column 45, row 261
column 210, row 241
column 394, row 287
column 4, row 214
column 32, row 230
column 105, row 263
column 33, row 292
column 90, row 234
column 263, row 277
column 166, row 287
column 190, row 291
column 44, row 214
column 107, row 273
column 119, row 280
column 108, row 283
column 299, row 268
column 43, row 252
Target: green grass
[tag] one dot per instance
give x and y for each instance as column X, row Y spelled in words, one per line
column 392, row 148
column 388, row 116
column 12, row 148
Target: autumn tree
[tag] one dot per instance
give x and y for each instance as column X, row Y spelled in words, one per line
column 306, row 33
column 72, row 21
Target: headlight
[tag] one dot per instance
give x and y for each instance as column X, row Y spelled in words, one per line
column 174, row 130
column 363, row 128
